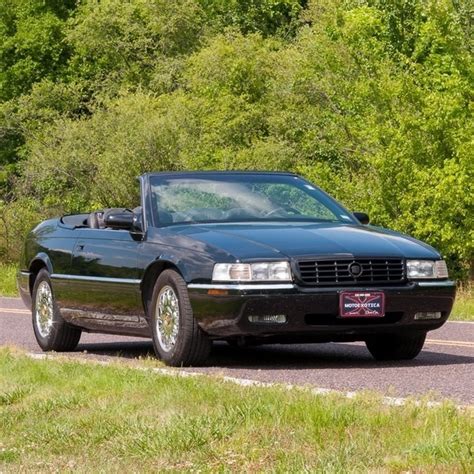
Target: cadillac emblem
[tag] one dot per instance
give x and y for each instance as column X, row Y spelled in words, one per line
column 355, row 269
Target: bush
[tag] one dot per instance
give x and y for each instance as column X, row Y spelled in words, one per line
column 368, row 99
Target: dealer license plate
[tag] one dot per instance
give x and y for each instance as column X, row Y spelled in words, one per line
column 361, row 304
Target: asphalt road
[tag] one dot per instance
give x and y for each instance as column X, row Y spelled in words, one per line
column 444, row 368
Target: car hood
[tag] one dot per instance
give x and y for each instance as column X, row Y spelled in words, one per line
column 257, row 240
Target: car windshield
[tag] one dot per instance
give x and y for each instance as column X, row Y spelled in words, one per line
column 221, row 198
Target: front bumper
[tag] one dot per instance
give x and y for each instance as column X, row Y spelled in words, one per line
column 312, row 313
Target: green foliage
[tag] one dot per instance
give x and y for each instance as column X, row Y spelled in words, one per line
column 370, row 99
column 128, row 44
column 32, row 48
column 31, row 43
column 269, row 17
column 8, row 281
column 463, row 309
column 16, row 219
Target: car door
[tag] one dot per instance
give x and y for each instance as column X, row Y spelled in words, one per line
column 105, row 279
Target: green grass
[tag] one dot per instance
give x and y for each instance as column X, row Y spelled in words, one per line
column 463, row 309
column 8, row 280
column 67, row 416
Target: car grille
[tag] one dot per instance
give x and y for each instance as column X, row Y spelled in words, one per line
column 344, row 272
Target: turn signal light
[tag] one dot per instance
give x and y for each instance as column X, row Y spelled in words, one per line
column 217, row 292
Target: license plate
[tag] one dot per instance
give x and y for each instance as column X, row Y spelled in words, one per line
column 361, row 304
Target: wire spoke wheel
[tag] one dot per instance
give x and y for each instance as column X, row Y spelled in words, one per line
column 44, row 309
column 167, row 318
column 177, row 338
column 51, row 331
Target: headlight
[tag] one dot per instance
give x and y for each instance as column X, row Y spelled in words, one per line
column 264, row 271
column 422, row 269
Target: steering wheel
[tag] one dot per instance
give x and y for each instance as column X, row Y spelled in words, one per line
column 277, row 209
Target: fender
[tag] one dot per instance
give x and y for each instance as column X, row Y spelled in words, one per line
column 161, row 263
column 175, row 261
column 151, row 273
column 38, row 261
column 26, row 279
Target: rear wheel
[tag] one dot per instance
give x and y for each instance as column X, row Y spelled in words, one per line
column 177, row 338
column 51, row 331
column 396, row 347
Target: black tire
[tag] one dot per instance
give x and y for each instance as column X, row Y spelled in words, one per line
column 61, row 336
column 191, row 345
column 396, row 347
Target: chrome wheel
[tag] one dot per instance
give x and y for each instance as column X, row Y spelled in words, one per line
column 167, row 318
column 44, row 309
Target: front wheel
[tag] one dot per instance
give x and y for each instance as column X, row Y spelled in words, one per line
column 177, row 338
column 396, row 347
column 51, row 331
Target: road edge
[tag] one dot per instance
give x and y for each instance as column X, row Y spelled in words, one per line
column 243, row 382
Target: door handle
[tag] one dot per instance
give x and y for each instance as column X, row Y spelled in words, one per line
column 80, row 247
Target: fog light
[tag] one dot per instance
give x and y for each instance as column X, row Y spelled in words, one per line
column 268, row 318
column 428, row 315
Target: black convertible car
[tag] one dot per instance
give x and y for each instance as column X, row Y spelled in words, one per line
column 245, row 257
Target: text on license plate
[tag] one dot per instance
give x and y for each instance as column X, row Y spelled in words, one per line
column 353, row 304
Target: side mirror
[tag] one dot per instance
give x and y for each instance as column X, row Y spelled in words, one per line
column 362, row 217
column 120, row 220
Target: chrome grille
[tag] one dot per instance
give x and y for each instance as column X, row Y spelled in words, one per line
column 338, row 272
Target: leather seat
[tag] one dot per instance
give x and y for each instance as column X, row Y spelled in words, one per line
column 92, row 221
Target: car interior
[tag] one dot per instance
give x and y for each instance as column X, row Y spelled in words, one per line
column 95, row 219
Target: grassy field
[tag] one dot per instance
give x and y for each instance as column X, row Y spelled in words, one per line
column 67, row 416
column 463, row 308
column 7, row 280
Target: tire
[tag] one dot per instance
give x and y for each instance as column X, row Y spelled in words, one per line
column 51, row 331
column 396, row 347
column 177, row 338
